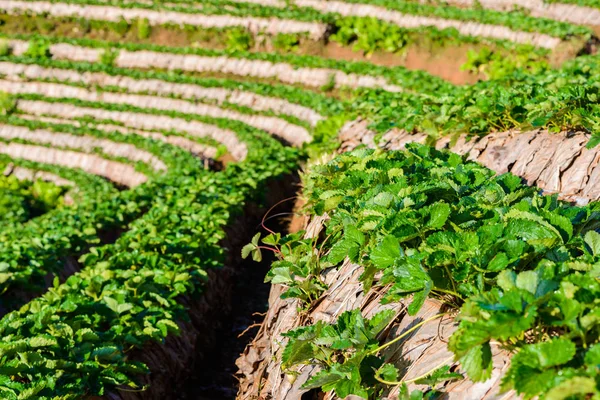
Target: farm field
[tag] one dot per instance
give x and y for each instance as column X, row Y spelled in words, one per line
column 299, row 199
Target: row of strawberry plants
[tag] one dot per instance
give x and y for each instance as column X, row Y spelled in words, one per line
column 366, row 34
column 306, row 13
column 22, row 200
column 517, row 20
column 407, row 79
column 521, row 266
column 303, row 105
column 515, row 102
column 123, row 94
column 131, row 116
column 511, row 103
column 572, row 13
column 128, row 293
column 180, row 161
column 138, row 162
column 303, row 10
column 160, row 156
column 72, row 230
column 588, row 3
column 561, row 99
column 85, row 184
column 197, row 97
column 210, row 8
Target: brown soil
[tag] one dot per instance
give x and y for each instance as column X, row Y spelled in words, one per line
column 444, row 62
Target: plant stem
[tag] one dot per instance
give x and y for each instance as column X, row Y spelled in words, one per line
column 417, row 326
column 396, row 383
column 450, row 292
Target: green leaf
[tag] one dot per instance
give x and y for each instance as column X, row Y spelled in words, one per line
column 349, row 246
column 42, row 341
column 528, row 280
column 297, row 351
column 477, row 362
column 507, row 280
column 281, row 275
column 592, row 239
column 388, row 372
column 352, row 233
column 272, row 239
column 592, row 356
column 498, row 263
column 386, row 253
column 323, row 378
column 439, row 213
column 379, row 321
column 247, row 249
column 419, row 299
column 576, row 387
column 555, row 352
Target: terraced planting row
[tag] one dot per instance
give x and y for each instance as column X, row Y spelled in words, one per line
column 143, row 143
column 493, row 25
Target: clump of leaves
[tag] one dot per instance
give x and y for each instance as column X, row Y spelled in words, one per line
column 109, row 56
column 239, row 39
column 7, row 103
column 39, row 48
column 21, row 200
column 121, row 27
column 370, row 35
column 347, row 353
column 286, row 42
column 499, row 64
column 143, row 29
column 298, row 265
column 4, row 48
column 427, row 223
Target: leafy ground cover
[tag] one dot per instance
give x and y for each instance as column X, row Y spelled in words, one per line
column 520, row 266
column 366, row 30
column 134, row 284
column 23, row 200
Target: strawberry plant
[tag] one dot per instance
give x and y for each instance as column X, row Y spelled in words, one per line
column 348, row 354
column 520, row 266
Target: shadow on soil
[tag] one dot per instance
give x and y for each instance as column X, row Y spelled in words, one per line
column 213, row 378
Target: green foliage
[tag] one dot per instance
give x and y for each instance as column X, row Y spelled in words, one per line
column 38, row 48
column 516, row 20
column 109, row 56
column 120, row 28
column 4, row 48
column 498, row 64
column 23, row 200
column 253, row 248
column 143, row 29
column 557, row 100
column 348, row 354
column 126, row 295
column 429, row 223
column 370, row 35
column 286, row 42
column 239, row 40
column 7, row 103
column 351, row 341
